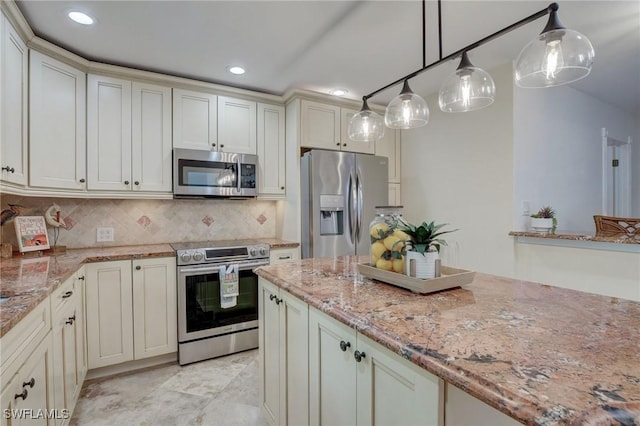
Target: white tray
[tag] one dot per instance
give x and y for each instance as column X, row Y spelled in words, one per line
column 450, row 278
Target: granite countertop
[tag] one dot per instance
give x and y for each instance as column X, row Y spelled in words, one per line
column 617, row 239
column 542, row 355
column 27, row 280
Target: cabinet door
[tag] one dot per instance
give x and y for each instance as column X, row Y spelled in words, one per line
column 56, row 124
column 389, row 146
column 195, row 116
column 151, row 138
column 66, row 333
column 348, row 144
column 394, row 391
column 294, row 360
column 81, row 323
column 236, row 125
column 269, row 347
column 332, row 371
column 108, row 133
column 13, row 105
column 34, row 383
column 319, row 125
column 109, row 313
column 155, row 321
column 394, row 194
column 271, row 151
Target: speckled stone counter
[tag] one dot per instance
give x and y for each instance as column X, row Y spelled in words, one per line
column 276, row 243
column 542, row 355
column 618, row 239
column 28, row 280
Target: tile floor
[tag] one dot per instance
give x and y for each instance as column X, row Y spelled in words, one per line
column 221, row 391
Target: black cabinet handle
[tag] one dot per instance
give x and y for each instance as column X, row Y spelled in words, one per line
column 221, row 145
column 273, row 296
column 282, row 188
column 22, row 395
column 81, row 278
column 136, row 183
column 138, row 267
column 82, row 180
column 126, row 182
column 344, row 144
column 278, row 301
column 9, row 169
column 344, row 345
column 338, row 144
column 71, row 320
column 359, row 355
column 213, row 144
column 67, row 294
column 31, row 383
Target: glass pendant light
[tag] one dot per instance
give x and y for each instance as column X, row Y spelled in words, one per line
column 407, row 110
column 366, row 125
column 468, row 89
column 557, row 56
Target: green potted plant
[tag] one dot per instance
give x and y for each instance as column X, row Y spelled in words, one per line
column 422, row 246
column 544, row 220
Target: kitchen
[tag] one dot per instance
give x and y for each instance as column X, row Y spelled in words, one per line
column 479, row 247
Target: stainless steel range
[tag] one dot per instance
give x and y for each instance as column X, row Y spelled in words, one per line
column 205, row 328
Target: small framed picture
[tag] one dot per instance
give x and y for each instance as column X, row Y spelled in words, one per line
column 31, row 232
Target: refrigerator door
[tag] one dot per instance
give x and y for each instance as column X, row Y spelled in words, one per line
column 372, row 190
column 328, row 200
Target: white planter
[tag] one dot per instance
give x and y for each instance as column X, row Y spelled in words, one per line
column 542, row 224
column 425, row 265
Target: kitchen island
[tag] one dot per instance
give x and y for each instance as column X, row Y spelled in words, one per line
column 540, row 354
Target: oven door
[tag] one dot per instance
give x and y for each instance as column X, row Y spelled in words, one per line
column 199, row 312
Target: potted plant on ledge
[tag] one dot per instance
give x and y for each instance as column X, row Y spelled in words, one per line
column 544, row 221
column 422, row 247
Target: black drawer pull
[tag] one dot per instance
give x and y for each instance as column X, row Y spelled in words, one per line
column 138, row 267
column 344, row 345
column 359, row 355
column 278, row 301
column 284, row 257
column 67, row 294
column 31, row 383
column 70, row 320
column 81, row 278
column 82, row 181
column 9, row 169
column 23, row 395
column 273, row 296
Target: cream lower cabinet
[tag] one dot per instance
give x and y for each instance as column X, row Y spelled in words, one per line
column 283, row 353
column 353, row 380
column 69, row 348
column 131, row 310
column 281, row 255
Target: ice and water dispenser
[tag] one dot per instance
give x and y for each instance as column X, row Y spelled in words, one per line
column 331, row 214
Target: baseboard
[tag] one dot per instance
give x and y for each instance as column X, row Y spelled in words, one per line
column 127, row 367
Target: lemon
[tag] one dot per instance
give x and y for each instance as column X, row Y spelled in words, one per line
column 398, row 265
column 379, row 229
column 377, row 249
column 387, row 265
column 400, row 235
column 393, row 243
column 374, row 259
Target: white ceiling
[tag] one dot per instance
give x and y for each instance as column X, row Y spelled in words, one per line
column 321, row 45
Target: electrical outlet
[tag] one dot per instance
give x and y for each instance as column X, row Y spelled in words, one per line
column 104, row 234
column 526, row 211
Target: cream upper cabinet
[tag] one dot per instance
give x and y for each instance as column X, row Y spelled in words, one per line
column 271, row 151
column 108, row 133
column 394, row 194
column 236, row 125
column 348, row 144
column 128, row 135
column 195, row 120
column 151, row 155
column 131, row 310
column 57, row 141
column 353, row 380
column 13, row 105
column 389, row 146
column 319, row 125
column 284, row 356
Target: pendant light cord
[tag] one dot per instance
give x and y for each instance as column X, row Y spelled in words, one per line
column 530, row 18
column 424, row 33
column 439, row 31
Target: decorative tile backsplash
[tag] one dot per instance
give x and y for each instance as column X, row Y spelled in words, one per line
column 149, row 221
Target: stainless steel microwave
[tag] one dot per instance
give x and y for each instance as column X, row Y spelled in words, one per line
column 200, row 173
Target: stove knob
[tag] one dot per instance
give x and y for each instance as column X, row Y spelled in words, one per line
column 263, row 251
column 253, row 252
column 198, row 256
column 185, row 257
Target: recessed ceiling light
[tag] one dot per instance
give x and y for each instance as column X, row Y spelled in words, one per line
column 339, row 92
column 81, row 18
column 235, row 70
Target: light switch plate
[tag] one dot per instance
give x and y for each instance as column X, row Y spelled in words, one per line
column 104, row 234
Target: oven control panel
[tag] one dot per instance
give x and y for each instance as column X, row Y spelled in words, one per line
column 222, row 254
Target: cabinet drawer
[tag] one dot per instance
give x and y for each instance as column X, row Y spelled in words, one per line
column 283, row 255
column 22, row 339
column 63, row 295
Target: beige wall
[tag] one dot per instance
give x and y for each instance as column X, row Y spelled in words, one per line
column 150, row 221
column 458, row 169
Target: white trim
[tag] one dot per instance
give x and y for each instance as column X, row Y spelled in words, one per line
column 43, row 192
column 595, row 245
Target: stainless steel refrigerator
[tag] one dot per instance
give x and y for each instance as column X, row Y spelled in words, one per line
column 340, row 191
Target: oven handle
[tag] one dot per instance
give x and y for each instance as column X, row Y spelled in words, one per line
column 216, row 268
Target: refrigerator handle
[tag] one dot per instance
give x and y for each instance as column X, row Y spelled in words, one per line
column 350, row 212
column 359, row 223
